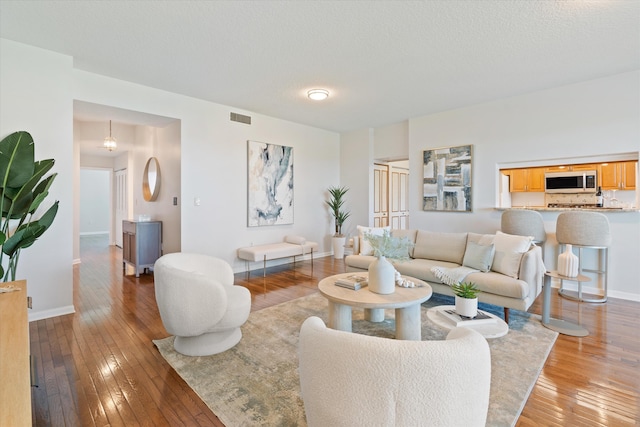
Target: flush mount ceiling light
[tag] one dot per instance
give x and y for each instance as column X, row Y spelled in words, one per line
column 318, row 94
column 110, row 142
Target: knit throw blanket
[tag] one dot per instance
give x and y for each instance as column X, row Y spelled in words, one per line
column 452, row 276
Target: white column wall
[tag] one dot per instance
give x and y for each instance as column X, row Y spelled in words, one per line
column 35, row 95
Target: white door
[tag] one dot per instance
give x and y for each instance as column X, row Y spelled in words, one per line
column 398, row 194
column 120, row 202
column 380, row 195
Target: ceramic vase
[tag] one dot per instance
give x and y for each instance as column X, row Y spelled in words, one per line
column 568, row 263
column 467, row 307
column 382, row 276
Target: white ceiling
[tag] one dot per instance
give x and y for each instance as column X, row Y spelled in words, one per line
column 382, row 61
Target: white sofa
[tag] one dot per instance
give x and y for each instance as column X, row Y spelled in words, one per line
column 514, row 279
column 351, row 380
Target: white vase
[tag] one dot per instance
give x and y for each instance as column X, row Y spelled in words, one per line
column 382, row 276
column 338, row 247
column 467, row 307
column 568, row 263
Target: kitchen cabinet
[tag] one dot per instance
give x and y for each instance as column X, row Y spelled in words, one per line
column 525, row 179
column 141, row 244
column 572, row 168
column 618, row 175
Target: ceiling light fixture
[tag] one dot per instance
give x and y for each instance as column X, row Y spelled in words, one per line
column 110, row 142
column 318, row 94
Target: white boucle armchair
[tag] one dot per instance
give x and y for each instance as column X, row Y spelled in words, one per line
column 349, row 379
column 199, row 304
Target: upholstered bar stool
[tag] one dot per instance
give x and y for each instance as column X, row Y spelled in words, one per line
column 524, row 222
column 585, row 230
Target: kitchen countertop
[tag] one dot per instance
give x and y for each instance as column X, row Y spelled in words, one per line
column 547, row 209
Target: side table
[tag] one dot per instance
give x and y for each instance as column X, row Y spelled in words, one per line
column 487, row 330
column 561, row 326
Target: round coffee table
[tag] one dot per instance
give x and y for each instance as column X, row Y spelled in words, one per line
column 405, row 301
column 487, row 330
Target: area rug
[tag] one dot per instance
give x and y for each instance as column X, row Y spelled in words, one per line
column 256, row 383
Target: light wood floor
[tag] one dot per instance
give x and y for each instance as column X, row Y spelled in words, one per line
column 98, row 367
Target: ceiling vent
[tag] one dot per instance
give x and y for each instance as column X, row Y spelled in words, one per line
column 235, row 117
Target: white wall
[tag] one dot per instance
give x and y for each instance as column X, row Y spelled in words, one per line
column 163, row 144
column 95, row 201
column 35, row 95
column 594, row 118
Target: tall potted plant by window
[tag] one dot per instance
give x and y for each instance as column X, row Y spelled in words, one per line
column 23, row 189
column 336, row 202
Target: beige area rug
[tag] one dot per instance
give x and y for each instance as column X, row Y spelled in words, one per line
column 256, row 383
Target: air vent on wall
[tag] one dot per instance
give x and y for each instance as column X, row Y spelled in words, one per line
column 235, row 117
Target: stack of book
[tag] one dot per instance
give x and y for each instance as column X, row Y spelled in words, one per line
column 353, row 282
column 480, row 319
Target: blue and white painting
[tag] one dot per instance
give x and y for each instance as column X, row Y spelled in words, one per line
column 447, row 179
column 270, row 180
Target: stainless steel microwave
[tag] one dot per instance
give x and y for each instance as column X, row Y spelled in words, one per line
column 570, row 182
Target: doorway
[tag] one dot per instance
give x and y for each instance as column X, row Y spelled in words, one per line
column 390, row 194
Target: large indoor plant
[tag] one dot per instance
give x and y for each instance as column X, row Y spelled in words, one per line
column 382, row 274
column 336, row 202
column 24, row 188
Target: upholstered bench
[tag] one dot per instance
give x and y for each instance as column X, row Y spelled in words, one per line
column 292, row 246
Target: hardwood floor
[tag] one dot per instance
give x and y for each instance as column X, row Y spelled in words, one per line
column 98, row 367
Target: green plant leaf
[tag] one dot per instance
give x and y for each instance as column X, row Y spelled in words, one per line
column 16, row 159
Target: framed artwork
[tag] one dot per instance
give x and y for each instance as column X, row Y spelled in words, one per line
column 447, row 179
column 270, row 184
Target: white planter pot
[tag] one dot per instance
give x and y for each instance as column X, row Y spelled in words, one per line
column 382, row 276
column 338, row 247
column 466, row 307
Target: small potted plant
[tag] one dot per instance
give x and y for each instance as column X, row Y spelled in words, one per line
column 466, row 299
column 382, row 274
column 335, row 202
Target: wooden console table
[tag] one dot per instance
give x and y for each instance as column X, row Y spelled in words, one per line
column 15, row 386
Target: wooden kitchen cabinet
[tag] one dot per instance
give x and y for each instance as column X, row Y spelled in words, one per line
column 525, row 179
column 141, row 244
column 572, row 168
column 618, row 176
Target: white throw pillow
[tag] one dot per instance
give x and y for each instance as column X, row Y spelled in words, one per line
column 365, row 247
column 479, row 257
column 296, row 240
column 509, row 251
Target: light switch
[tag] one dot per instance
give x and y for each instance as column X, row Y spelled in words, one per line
column 196, row 201
column 175, row 201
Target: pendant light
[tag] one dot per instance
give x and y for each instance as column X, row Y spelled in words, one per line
column 110, row 142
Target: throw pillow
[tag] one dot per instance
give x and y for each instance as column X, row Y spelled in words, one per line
column 365, row 247
column 509, row 251
column 296, row 240
column 479, row 257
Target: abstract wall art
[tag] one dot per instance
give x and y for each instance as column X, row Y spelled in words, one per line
column 447, row 179
column 270, row 182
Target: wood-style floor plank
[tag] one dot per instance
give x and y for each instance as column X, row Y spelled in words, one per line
column 99, row 367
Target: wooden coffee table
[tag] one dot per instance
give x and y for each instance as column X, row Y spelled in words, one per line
column 406, row 302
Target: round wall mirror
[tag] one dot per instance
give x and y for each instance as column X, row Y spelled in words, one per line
column 151, row 180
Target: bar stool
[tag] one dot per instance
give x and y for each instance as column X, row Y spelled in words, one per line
column 585, row 230
column 524, row 222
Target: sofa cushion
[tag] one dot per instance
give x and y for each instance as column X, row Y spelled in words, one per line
column 499, row 284
column 359, row 261
column 509, row 251
column 365, row 247
column 421, row 268
column 409, row 234
column 479, row 257
column 440, row 246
